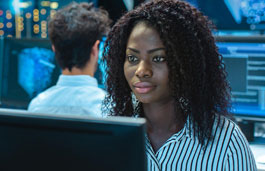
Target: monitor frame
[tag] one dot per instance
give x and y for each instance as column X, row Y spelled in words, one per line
column 241, row 39
column 50, row 154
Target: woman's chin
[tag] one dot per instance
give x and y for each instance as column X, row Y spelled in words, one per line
column 144, row 99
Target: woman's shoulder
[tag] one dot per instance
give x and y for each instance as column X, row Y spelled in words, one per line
column 229, row 131
column 223, row 122
column 225, row 125
column 235, row 145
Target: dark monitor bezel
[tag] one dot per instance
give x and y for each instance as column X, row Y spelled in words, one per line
column 241, row 39
column 117, row 127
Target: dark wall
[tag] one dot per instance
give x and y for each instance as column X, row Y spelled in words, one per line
column 116, row 8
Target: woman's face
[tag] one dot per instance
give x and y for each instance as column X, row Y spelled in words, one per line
column 145, row 66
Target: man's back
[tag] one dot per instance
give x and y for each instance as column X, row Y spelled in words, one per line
column 77, row 95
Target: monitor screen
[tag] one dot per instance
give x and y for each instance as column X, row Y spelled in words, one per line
column 100, row 73
column 234, row 14
column 28, row 67
column 244, row 59
column 45, row 142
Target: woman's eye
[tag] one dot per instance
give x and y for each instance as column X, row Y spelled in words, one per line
column 132, row 58
column 159, row 59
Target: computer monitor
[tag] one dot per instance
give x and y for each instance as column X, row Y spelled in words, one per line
column 45, row 142
column 234, row 14
column 244, row 58
column 28, row 67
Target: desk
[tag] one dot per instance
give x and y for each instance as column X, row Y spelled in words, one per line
column 258, row 150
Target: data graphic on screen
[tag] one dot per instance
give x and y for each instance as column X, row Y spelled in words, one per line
column 35, row 68
column 234, row 14
column 244, row 59
column 28, row 68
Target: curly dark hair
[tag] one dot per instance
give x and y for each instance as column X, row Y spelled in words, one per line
column 73, row 30
column 196, row 71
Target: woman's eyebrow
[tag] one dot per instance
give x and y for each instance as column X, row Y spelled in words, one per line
column 149, row 51
column 134, row 50
column 156, row 49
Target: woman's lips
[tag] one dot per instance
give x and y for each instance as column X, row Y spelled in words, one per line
column 143, row 87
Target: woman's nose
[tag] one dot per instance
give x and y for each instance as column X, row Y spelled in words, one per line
column 144, row 70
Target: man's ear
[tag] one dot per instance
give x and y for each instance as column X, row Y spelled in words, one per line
column 94, row 51
column 53, row 48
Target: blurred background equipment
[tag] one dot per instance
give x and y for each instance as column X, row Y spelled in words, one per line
column 28, row 18
column 244, row 57
column 234, row 15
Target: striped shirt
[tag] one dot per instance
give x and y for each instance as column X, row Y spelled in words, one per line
column 229, row 150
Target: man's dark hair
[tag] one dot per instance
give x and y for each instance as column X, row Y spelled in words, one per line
column 197, row 76
column 73, row 30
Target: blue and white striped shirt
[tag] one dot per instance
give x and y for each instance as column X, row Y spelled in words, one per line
column 229, row 150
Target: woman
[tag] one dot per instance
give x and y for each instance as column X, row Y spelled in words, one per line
column 163, row 65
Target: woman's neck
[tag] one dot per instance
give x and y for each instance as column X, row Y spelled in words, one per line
column 161, row 122
column 161, row 116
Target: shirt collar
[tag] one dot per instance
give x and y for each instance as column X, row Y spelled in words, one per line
column 186, row 131
column 77, row 80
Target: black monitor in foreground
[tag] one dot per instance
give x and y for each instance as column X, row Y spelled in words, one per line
column 44, row 142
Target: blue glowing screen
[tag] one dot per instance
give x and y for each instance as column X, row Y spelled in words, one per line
column 35, row 67
column 245, row 65
column 101, row 70
column 234, row 14
column 28, row 68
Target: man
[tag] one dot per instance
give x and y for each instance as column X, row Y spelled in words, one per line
column 75, row 32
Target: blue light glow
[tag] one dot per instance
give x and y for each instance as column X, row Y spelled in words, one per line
column 35, row 69
column 16, row 6
column 253, row 10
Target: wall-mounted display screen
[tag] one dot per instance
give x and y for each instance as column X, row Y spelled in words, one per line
column 244, row 59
